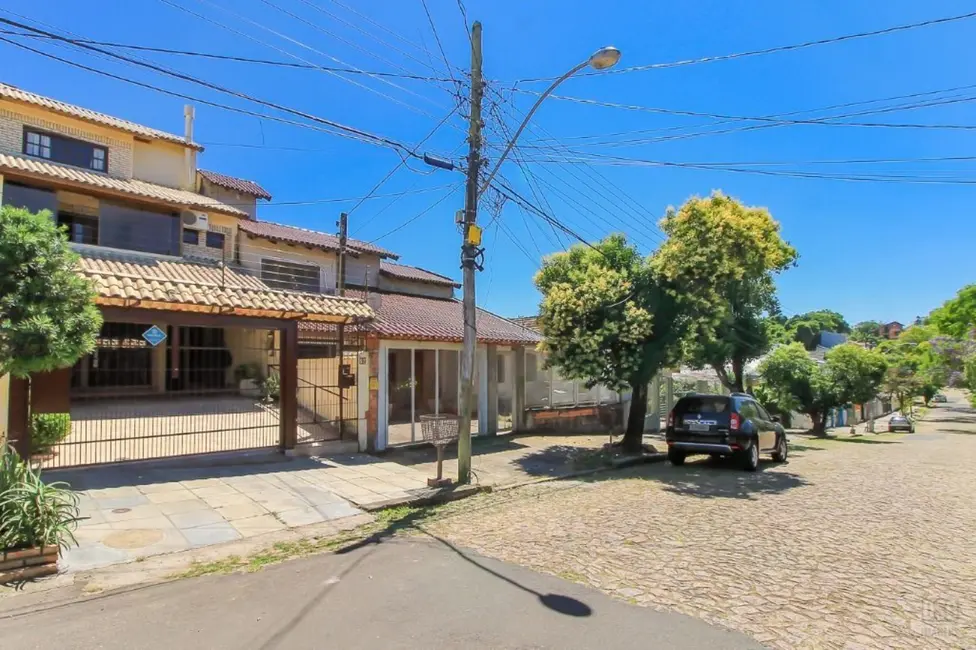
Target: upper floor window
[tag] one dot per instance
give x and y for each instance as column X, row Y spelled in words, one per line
column 290, row 276
column 215, row 240
column 62, row 149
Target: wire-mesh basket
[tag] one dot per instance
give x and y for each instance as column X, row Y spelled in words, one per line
column 439, row 429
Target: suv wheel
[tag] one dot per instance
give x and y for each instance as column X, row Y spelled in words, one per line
column 781, row 450
column 676, row 456
column 750, row 457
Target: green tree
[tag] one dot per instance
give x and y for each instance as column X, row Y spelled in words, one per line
column 609, row 319
column 821, row 320
column 720, row 259
column 48, row 317
column 857, row 373
column 866, row 332
column 956, row 317
column 793, row 378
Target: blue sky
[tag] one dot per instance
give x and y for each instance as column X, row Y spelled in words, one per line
column 869, row 250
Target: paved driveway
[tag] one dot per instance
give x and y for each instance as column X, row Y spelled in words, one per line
column 855, row 543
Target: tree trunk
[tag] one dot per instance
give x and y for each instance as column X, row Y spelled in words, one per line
column 634, row 436
column 819, row 423
column 738, row 370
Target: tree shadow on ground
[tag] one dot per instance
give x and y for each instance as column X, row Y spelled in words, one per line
column 865, row 441
column 426, row 453
column 964, row 432
column 710, row 478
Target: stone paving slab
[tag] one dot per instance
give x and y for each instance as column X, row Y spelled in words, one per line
column 856, row 542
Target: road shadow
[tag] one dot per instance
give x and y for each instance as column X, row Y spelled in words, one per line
column 963, row 432
column 710, row 478
column 425, row 453
column 865, row 441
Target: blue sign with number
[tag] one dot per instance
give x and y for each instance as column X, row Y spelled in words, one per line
column 154, row 336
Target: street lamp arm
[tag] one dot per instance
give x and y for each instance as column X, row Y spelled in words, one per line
column 525, row 122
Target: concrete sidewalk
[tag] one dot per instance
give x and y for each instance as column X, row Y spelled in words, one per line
column 396, row 594
column 137, row 510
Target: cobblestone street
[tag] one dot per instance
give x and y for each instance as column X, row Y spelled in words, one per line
column 863, row 542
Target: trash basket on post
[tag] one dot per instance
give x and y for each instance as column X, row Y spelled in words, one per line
column 440, row 431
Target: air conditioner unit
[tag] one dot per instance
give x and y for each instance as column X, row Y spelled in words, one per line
column 196, row 220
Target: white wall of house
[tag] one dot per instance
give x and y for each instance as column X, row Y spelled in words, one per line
column 162, row 163
column 363, row 270
column 399, row 285
column 244, row 202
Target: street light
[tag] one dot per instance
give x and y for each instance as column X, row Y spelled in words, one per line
column 603, row 59
column 600, row 60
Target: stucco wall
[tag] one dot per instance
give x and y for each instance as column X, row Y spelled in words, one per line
column 163, row 163
column 14, row 116
column 399, row 285
column 361, row 267
column 240, row 201
column 252, row 251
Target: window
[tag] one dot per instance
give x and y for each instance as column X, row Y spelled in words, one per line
column 62, row 149
column 29, row 198
column 215, row 240
column 38, row 145
column 81, row 229
column 191, row 237
column 531, row 367
column 500, row 359
column 131, row 228
column 289, row 275
column 762, row 412
column 98, row 159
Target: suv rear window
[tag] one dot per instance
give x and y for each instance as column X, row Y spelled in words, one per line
column 702, row 404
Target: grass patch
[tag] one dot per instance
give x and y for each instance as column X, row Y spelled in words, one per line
column 387, row 523
column 572, row 576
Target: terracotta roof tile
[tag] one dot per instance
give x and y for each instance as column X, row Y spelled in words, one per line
column 178, row 284
column 130, row 186
column 416, row 273
column 237, row 184
column 303, row 237
column 16, row 94
column 417, row 318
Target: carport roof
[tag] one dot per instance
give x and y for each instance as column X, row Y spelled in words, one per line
column 141, row 280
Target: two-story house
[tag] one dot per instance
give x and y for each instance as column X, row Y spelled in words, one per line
column 222, row 331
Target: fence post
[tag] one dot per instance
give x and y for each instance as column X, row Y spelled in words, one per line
column 18, row 429
column 288, row 386
column 518, row 397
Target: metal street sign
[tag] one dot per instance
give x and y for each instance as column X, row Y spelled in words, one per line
column 154, row 336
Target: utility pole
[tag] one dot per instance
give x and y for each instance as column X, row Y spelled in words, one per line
column 341, row 287
column 469, row 252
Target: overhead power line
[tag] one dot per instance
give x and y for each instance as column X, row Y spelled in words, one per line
column 238, row 59
column 774, row 50
column 366, row 135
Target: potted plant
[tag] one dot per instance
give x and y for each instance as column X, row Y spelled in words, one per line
column 248, row 378
column 36, row 520
column 271, row 388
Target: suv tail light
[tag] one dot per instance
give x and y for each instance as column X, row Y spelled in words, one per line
column 670, row 418
column 734, row 422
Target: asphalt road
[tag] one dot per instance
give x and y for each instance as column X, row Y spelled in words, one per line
column 406, row 593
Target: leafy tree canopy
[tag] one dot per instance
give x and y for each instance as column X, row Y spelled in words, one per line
column 956, row 317
column 866, row 332
column 720, row 259
column 793, row 378
column 821, row 320
column 48, row 317
column 608, row 319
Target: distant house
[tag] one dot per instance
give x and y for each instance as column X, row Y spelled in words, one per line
column 831, row 339
column 890, row 330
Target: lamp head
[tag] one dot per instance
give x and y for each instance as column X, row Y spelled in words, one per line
column 604, row 58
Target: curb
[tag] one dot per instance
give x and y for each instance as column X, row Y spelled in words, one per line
column 434, row 497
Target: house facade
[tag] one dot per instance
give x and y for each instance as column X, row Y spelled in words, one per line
column 224, row 332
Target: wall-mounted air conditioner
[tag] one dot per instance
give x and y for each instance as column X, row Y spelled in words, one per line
column 195, row 220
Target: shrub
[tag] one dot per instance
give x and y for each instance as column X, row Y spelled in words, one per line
column 247, row 371
column 271, row 387
column 47, row 430
column 32, row 512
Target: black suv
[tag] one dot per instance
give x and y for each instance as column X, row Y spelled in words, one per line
column 724, row 425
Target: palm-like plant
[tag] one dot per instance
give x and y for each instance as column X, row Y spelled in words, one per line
column 34, row 513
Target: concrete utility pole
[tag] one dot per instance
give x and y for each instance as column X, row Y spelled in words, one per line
column 469, row 252
column 341, row 288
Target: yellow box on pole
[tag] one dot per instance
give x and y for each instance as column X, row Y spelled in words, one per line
column 473, row 237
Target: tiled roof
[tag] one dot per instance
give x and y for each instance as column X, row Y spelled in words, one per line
column 134, row 279
column 416, row 273
column 528, row 322
column 303, row 237
column 237, row 184
column 417, row 318
column 130, row 186
column 16, row 94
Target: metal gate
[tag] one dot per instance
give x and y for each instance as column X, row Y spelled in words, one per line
column 328, row 406
column 200, row 390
